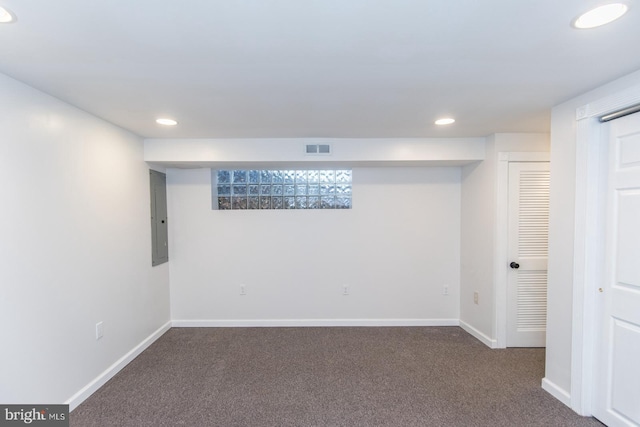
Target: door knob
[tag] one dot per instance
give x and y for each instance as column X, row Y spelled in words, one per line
column 514, row 265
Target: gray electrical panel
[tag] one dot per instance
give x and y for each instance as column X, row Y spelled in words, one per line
column 159, row 233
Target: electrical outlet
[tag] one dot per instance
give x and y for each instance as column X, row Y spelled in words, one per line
column 99, row 330
column 475, row 297
column 345, row 290
column 445, row 290
column 243, row 290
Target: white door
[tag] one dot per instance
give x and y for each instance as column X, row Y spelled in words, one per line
column 617, row 372
column 528, row 231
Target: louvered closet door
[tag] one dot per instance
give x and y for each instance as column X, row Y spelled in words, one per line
column 527, row 263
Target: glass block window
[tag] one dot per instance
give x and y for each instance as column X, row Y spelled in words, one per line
column 282, row 189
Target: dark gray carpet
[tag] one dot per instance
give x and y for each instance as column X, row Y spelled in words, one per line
column 414, row 376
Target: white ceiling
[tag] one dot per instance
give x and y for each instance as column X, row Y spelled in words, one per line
column 316, row 68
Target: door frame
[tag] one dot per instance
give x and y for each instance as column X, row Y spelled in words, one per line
column 502, row 236
column 589, row 223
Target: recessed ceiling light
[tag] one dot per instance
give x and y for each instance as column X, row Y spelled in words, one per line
column 6, row 16
column 445, row 121
column 166, row 122
column 601, row 15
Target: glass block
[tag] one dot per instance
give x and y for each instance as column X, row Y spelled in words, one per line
column 343, row 202
column 277, row 177
column 224, row 203
column 253, row 202
column 313, row 202
column 224, row 177
column 254, row 177
column 239, row 176
column 265, row 177
column 239, row 190
column 289, row 177
column 239, row 203
column 343, row 189
column 327, row 202
column 276, row 203
column 326, row 189
column 327, row 176
column 289, row 202
column 302, row 189
column 301, row 177
column 265, row 202
column 313, row 176
column 301, row 202
column 265, row 190
column 343, row 176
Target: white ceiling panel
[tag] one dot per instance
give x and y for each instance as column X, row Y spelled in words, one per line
column 315, row 68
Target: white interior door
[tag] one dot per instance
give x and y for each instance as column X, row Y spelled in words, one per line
column 528, row 232
column 617, row 371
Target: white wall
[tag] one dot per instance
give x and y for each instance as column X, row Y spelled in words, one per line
column 74, row 247
column 478, row 212
column 561, row 231
column 478, row 231
column 291, row 151
column 396, row 249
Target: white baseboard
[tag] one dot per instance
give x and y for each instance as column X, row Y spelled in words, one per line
column 491, row 343
column 556, row 392
column 220, row 323
column 112, row 370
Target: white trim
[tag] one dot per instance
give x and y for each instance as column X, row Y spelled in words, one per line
column 588, row 237
column 502, row 236
column 501, row 246
column 271, row 323
column 609, row 104
column 112, row 370
column 524, row 156
column 586, row 263
column 484, row 339
column 557, row 392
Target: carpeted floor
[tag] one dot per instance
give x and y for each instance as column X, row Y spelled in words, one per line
column 414, row 376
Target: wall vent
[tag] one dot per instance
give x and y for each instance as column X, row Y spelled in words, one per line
column 318, row 149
